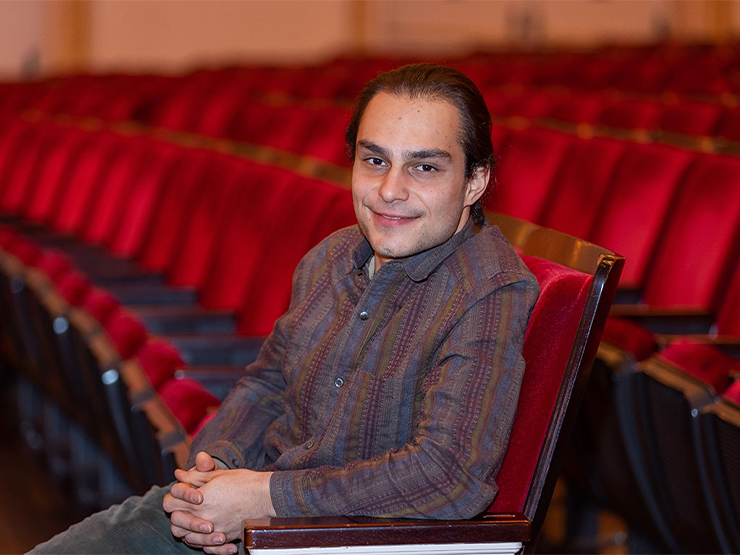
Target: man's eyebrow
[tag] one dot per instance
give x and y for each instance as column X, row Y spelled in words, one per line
column 425, row 154
column 374, row 148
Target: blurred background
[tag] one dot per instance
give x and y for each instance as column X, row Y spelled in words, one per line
column 39, row 37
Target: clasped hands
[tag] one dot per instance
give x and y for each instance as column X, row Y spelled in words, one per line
column 207, row 504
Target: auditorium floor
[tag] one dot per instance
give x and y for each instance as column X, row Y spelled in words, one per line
column 34, row 508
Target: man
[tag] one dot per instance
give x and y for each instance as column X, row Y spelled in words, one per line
column 390, row 385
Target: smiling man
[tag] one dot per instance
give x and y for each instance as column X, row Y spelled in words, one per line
column 389, row 387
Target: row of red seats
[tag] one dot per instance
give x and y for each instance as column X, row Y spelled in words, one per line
column 682, row 115
column 207, row 226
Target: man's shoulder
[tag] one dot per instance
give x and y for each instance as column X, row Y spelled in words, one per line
column 488, row 257
column 336, row 248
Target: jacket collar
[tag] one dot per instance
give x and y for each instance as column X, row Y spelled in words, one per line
column 419, row 266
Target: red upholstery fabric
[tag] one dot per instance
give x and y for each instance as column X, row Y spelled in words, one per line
column 550, row 336
column 139, row 206
column 201, row 233
column 51, row 177
column 630, row 337
column 577, row 107
column 317, row 207
column 637, row 204
column 101, row 305
column 26, row 250
column 54, row 264
column 529, row 161
column 255, row 218
column 695, row 256
column 188, row 400
column 74, row 286
column 729, row 124
column 8, row 236
column 690, row 117
column 581, row 182
column 630, row 114
column 183, row 189
column 86, row 174
column 733, row 393
column 159, row 360
column 19, row 178
column 728, row 319
column 105, row 211
column 702, row 361
column 126, row 332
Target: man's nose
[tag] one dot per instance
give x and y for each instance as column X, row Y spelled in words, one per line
column 393, row 187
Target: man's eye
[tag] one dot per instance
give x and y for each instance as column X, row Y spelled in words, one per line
column 426, row 168
column 376, row 161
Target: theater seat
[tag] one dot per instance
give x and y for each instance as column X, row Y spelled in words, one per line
column 530, row 466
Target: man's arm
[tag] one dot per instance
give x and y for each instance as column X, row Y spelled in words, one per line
column 447, row 469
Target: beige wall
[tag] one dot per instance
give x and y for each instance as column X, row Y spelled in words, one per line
column 175, row 35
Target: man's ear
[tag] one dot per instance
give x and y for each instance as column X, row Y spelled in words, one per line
column 477, row 184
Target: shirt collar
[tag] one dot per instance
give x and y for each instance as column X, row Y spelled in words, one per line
column 419, row 266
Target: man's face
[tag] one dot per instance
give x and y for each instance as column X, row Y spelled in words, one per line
column 408, row 182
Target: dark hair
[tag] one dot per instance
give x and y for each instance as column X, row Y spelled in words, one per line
column 438, row 83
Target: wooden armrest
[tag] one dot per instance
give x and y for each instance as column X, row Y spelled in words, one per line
column 666, row 320
column 292, row 533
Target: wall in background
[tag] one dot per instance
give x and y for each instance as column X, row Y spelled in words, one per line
column 51, row 36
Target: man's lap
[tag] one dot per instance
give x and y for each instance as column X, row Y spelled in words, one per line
column 138, row 525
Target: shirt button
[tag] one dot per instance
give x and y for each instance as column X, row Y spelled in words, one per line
column 309, row 444
column 339, row 382
column 364, row 315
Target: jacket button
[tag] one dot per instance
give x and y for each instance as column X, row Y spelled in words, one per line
column 339, row 382
column 309, row 444
column 364, row 315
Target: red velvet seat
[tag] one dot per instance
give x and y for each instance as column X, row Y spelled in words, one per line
column 690, row 117
column 702, row 361
column 584, row 177
column 188, row 400
column 51, row 178
column 576, row 107
column 85, row 176
column 637, row 205
column 159, row 360
column 695, row 255
column 556, row 345
column 126, row 332
column 101, row 305
column 18, row 178
column 529, row 161
column 623, row 113
column 196, row 176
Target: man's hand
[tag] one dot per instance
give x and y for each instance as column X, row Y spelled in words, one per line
column 208, row 505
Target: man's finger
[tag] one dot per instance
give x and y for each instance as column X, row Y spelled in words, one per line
column 185, row 492
column 227, row 549
column 190, row 523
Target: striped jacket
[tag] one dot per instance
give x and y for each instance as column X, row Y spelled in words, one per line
column 390, row 396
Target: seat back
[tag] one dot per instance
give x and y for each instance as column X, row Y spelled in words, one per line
column 671, row 473
column 577, row 282
column 720, row 424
